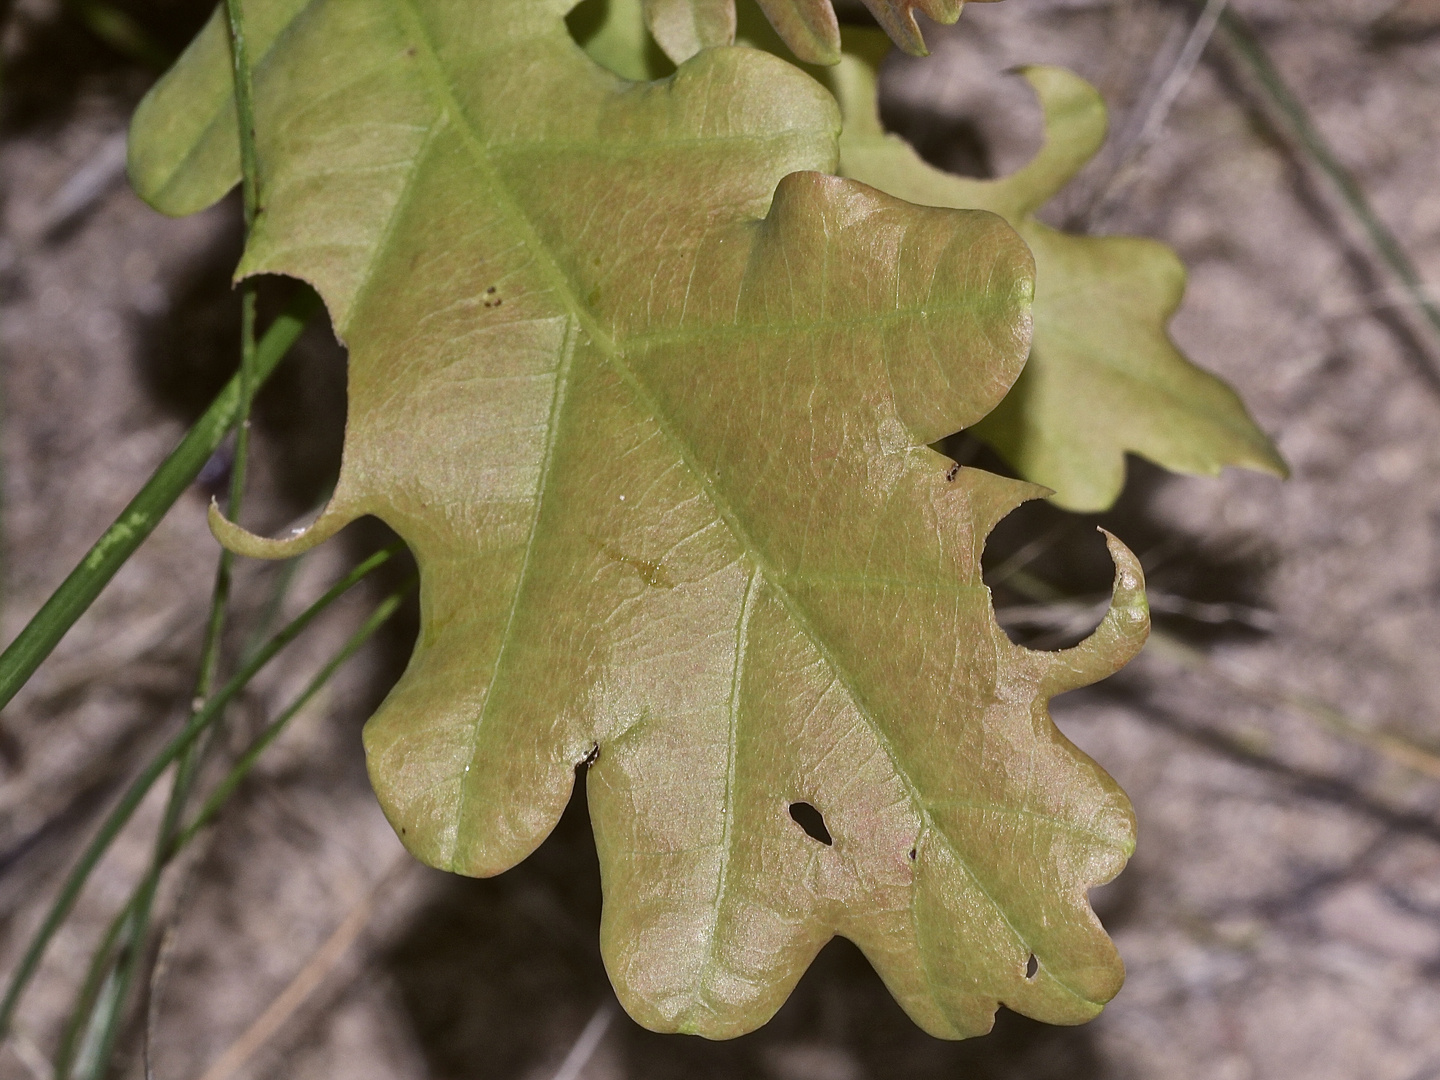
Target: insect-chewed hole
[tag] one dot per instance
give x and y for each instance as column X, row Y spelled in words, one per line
column 812, row 821
column 1031, row 966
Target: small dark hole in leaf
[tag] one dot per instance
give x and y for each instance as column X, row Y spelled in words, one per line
column 913, row 854
column 490, row 290
column 590, row 758
column 812, row 821
column 1031, row 966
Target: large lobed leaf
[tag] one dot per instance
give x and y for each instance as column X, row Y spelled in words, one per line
column 1104, row 376
column 649, row 396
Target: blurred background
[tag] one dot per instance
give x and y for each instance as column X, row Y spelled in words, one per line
column 1279, row 737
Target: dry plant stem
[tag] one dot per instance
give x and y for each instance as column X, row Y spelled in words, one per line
column 1248, row 48
column 1398, row 750
column 586, row 1044
column 1189, row 57
column 40, row 636
column 1126, row 168
column 117, row 818
column 321, row 963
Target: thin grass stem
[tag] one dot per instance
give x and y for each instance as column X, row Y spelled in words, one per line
column 1392, row 253
column 82, row 1015
column 79, row 590
column 285, row 579
column 142, row 784
column 132, row 955
column 90, row 1017
column 1169, row 648
column 232, row 780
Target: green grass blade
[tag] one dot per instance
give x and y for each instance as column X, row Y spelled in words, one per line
column 117, row 818
column 245, row 109
column 137, row 520
column 274, row 604
column 96, row 1011
column 102, row 965
column 247, row 760
column 107, row 1021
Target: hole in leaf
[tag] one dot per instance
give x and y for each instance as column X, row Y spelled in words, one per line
column 812, row 821
column 953, row 143
column 1031, row 967
column 590, row 758
column 1211, row 594
column 913, row 854
column 587, row 19
column 610, row 38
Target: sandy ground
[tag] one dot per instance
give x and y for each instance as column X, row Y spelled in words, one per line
column 1281, row 917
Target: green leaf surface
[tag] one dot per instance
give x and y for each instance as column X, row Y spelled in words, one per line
column 1104, row 377
column 649, row 396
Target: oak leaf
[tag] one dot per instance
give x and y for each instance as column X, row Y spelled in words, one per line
column 1104, row 377
column 649, row 396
